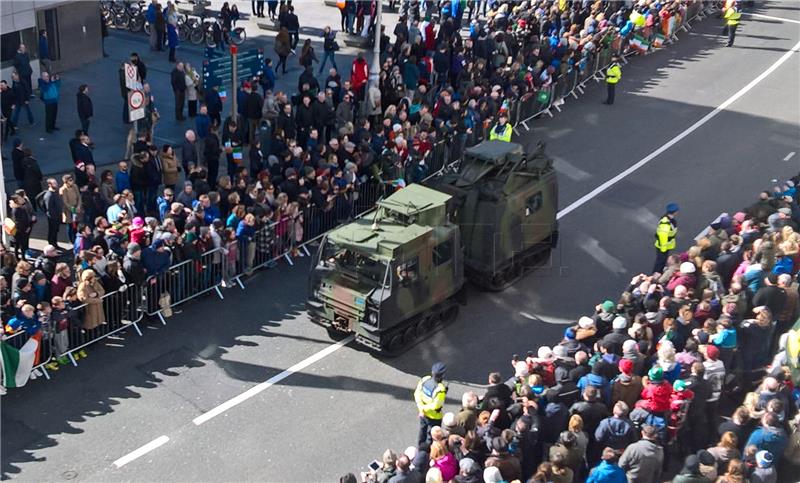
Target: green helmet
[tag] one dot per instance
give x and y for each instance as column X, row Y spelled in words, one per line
column 656, row 374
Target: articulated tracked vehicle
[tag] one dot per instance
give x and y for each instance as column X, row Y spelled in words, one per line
column 393, row 276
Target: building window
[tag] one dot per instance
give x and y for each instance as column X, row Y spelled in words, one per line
column 9, row 43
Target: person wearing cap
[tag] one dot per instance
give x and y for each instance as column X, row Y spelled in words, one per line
column 627, row 386
column 732, row 16
column 764, row 471
column 666, row 231
column 502, row 130
column 657, row 391
column 619, row 334
column 613, row 75
column 430, row 395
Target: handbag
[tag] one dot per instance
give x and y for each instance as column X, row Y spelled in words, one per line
column 9, row 226
column 335, row 46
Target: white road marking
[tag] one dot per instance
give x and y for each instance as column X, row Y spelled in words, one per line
column 771, row 17
column 138, row 453
column 235, row 401
column 570, row 170
column 592, row 247
column 616, row 179
column 789, row 156
column 549, row 320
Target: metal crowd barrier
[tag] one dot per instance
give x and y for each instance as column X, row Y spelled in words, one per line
column 184, row 281
column 121, row 310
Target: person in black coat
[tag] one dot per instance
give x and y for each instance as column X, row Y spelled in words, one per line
column 178, row 80
column 304, row 120
column 7, row 107
column 324, row 117
column 85, row 108
column 214, row 104
column 17, row 158
column 498, row 389
column 23, row 224
column 211, row 152
column 32, row 175
column 252, row 111
column 22, row 64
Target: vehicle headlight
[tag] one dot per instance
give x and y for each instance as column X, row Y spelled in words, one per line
column 373, row 318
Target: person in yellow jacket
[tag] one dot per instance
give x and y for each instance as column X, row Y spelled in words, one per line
column 666, row 231
column 430, row 396
column 502, row 130
column 732, row 16
column 613, row 75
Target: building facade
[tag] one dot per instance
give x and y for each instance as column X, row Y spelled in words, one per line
column 73, row 31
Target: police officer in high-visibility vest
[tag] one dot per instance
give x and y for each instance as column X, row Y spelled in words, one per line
column 666, row 231
column 502, row 130
column 613, row 75
column 429, row 396
column 732, row 16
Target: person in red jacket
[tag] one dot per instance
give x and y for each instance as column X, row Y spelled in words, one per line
column 359, row 76
column 657, row 392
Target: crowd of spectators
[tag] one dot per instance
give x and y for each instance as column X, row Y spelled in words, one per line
column 638, row 388
column 295, row 164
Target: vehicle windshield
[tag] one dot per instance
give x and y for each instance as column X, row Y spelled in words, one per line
column 345, row 260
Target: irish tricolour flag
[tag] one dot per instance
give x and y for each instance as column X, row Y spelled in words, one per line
column 17, row 364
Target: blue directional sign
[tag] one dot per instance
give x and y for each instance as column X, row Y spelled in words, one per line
column 217, row 69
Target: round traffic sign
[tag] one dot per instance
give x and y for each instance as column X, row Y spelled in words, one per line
column 136, row 100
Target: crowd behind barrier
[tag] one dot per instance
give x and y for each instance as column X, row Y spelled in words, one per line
column 690, row 374
column 315, row 160
column 571, row 79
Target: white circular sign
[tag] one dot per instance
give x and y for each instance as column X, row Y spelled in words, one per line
column 137, row 99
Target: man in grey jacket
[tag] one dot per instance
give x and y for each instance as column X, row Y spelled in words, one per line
column 642, row 460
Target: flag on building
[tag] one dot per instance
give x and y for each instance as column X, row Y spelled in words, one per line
column 17, row 364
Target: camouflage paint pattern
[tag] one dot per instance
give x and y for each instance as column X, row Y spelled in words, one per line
column 411, row 241
column 505, row 201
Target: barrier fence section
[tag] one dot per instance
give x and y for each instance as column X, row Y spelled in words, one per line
column 84, row 324
column 572, row 80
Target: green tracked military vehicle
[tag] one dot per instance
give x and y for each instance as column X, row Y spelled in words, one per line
column 505, row 201
column 393, row 276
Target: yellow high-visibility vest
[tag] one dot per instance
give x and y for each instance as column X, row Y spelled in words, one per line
column 732, row 17
column 613, row 73
column 502, row 136
column 665, row 234
column 430, row 396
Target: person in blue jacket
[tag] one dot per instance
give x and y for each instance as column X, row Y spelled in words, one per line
column 770, row 436
column 50, row 91
column 607, row 471
column 156, row 258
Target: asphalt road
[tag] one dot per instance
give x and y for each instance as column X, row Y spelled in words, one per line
column 343, row 410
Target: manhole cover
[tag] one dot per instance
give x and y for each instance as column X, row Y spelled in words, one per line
column 69, row 475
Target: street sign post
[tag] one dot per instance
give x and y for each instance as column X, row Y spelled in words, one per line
column 218, row 70
column 132, row 77
column 135, row 105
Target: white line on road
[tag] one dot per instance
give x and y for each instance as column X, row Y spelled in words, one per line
column 772, row 18
column 138, row 453
column 230, row 403
column 789, row 156
column 616, row 179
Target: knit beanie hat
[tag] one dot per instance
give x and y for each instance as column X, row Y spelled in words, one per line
column 712, row 352
column 764, row 459
column 656, row 374
column 626, row 366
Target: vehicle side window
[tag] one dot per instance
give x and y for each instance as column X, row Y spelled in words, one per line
column 533, row 204
column 443, row 252
column 408, row 271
